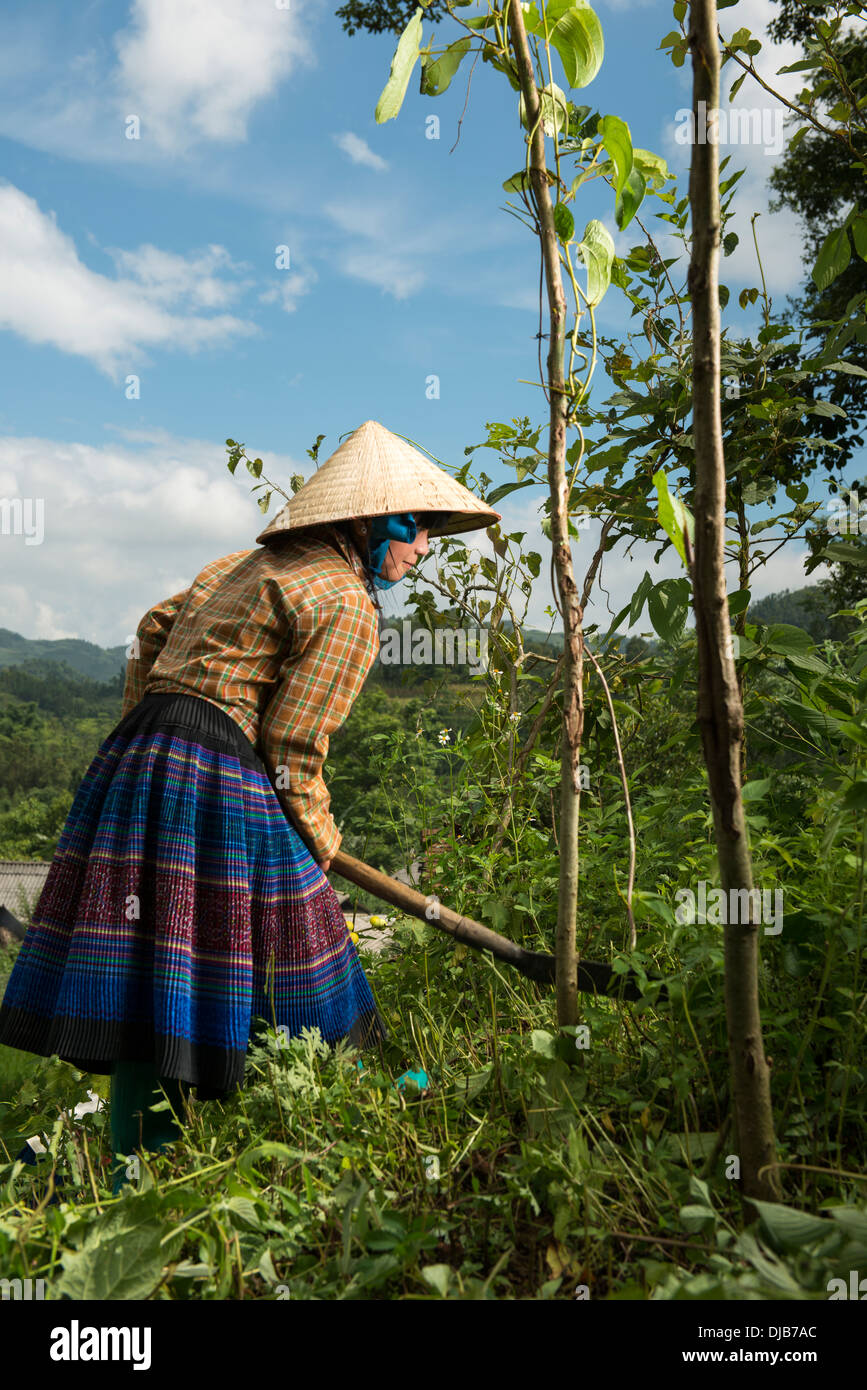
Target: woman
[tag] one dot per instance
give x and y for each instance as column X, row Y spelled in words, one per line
column 187, row 897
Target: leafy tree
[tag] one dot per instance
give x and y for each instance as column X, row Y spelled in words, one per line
column 820, row 176
column 386, row 16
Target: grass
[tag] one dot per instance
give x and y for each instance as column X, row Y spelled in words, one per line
column 531, row 1168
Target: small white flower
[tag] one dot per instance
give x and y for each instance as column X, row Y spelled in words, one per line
column 443, row 737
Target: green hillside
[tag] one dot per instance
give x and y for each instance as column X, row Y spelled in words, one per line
column 98, row 663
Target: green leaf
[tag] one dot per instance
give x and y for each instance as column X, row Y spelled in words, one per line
column 822, row 725
column 833, row 258
column 652, row 167
column 754, row 791
column 859, row 235
column 521, row 181
column 618, row 145
column 698, row 1188
column 121, row 1257
column 639, row 597
column 673, row 515
column 439, row 1278
column 853, row 1222
column 597, row 252
column 736, row 85
column 786, row 639
column 695, row 1217
column 269, row 1148
column 554, row 106
column 790, row 1229
column 577, row 37
column 630, row 199
column 844, row 552
column 505, row 488
column 606, row 458
column 543, row 1043
column 668, row 604
column 738, row 601
column 402, row 64
column 856, row 797
column 617, row 621
column 436, row 76
column 564, row 225
column 848, row 368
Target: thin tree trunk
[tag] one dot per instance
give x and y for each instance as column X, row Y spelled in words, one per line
column 570, row 606
column 720, row 711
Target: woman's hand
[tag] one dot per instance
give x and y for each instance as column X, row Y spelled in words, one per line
column 325, row 865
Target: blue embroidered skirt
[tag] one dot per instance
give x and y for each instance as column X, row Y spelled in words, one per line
column 180, row 906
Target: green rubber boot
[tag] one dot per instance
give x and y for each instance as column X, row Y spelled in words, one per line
column 135, row 1087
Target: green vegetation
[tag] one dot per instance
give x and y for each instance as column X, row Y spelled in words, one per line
column 552, row 1159
column 534, row 1165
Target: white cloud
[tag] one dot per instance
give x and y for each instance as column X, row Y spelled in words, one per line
column 174, row 280
column 756, row 15
column 192, row 71
column 393, row 253
column 402, row 247
column 49, row 296
column 359, row 151
column 289, row 288
column 195, row 71
column 125, row 524
column 755, row 141
column 128, row 523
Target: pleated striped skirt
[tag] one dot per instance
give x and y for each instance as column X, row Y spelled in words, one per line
column 181, row 909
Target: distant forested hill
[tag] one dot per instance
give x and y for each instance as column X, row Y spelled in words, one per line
column 99, row 663
column 107, row 664
column 60, row 699
column 809, row 608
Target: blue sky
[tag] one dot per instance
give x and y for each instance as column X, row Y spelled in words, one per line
column 155, row 257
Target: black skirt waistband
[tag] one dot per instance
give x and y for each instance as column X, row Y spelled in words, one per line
column 165, row 711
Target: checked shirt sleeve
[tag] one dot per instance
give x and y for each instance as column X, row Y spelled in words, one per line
column 150, row 639
column 336, row 645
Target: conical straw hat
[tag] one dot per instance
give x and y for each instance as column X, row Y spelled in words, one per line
column 375, row 473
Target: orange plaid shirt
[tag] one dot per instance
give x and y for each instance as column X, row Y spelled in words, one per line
column 282, row 638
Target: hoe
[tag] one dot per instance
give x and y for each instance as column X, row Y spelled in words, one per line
column 593, row 976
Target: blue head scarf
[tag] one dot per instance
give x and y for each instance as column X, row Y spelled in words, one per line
column 400, row 526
